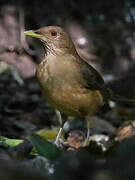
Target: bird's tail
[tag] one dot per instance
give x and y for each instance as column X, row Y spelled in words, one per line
column 122, row 90
column 121, row 99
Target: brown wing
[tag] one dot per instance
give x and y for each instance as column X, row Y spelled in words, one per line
column 92, row 78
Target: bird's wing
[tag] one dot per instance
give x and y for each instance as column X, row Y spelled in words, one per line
column 92, row 78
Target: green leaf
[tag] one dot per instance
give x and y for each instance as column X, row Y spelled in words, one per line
column 45, row 148
column 6, row 142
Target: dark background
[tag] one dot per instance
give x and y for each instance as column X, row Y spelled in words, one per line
column 103, row 33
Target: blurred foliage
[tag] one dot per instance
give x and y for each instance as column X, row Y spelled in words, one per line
column 49, row 133
column 9, row 142
column 45, row 148
column 110, row 26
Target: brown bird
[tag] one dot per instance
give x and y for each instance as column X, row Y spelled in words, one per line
column 69, row 84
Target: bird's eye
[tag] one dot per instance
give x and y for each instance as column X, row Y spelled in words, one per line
column 53, row 33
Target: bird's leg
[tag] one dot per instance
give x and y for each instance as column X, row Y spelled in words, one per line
column 88, row 130
column 88, row 124
column 59, row 116
column 62, row 119
column 58, row 136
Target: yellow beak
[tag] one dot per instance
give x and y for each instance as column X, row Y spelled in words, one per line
column 32, row 33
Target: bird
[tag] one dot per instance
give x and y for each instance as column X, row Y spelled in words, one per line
column 69, row 83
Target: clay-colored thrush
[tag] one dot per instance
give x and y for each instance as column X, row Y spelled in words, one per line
column 70, row 84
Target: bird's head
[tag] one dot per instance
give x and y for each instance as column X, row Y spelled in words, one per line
column 54, row 38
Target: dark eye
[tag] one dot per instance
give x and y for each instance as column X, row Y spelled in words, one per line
column 54, row 33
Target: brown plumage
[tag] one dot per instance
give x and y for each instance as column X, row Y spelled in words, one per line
column 70, row 84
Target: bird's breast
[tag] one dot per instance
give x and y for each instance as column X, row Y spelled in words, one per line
column 62, row 86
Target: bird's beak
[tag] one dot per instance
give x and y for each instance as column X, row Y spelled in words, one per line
column 32, row 33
